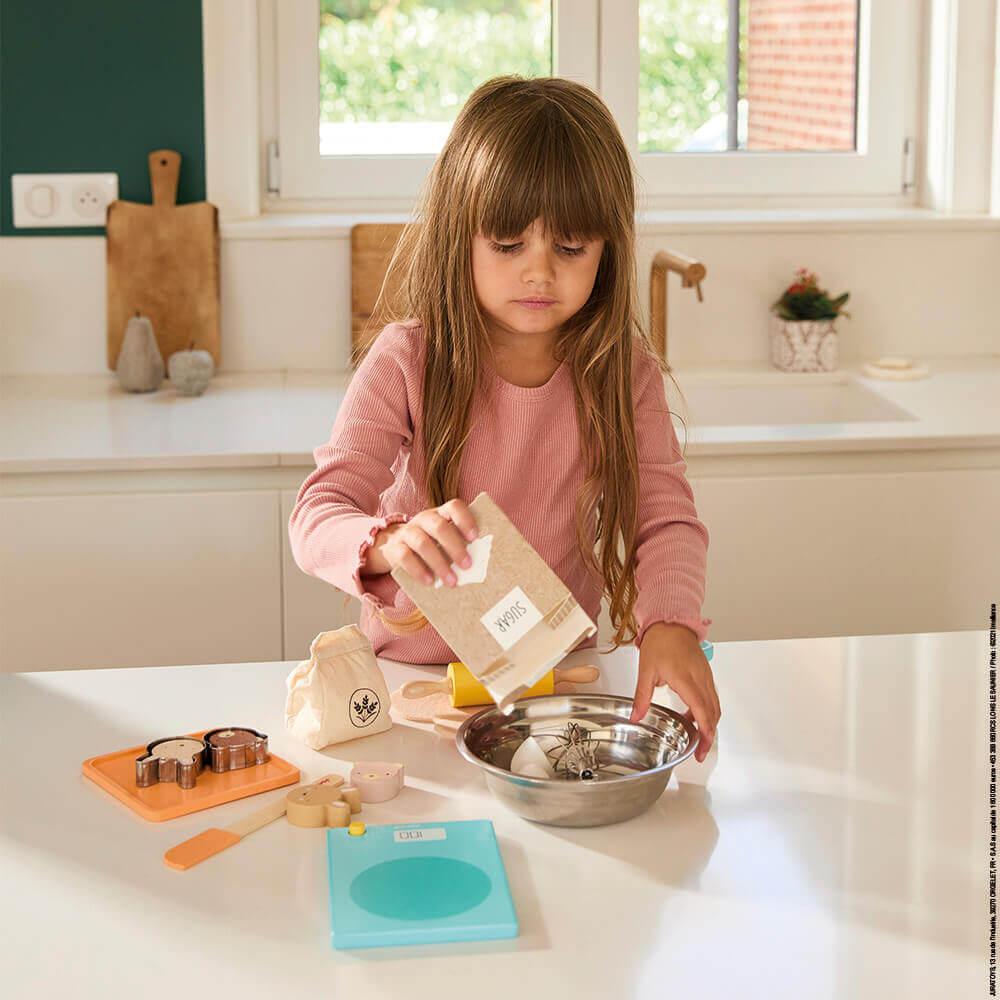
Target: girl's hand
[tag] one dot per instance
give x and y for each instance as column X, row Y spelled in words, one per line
column 427, row 544
column 671, row 654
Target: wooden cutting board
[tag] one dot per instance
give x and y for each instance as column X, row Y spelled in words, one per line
column 372, row 245
column 163, row 262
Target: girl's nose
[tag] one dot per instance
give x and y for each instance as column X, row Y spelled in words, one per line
column 538, row 266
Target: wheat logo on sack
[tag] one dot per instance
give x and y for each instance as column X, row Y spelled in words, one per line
column 364, row 707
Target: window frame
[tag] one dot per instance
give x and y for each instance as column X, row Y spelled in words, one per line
column 888, row 41
column 307, row 175
column 934, row 85
column 598, row 44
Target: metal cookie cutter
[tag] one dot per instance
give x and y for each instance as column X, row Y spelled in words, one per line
column 233, row 748
column 176, row 758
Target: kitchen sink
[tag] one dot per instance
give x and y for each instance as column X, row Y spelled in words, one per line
column 712, row 404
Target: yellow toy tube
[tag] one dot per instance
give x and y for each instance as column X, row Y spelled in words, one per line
column 466, row 690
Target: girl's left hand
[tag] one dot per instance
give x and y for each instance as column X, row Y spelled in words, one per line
column 671, row 654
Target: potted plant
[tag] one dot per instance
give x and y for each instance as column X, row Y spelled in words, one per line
column 803, row 338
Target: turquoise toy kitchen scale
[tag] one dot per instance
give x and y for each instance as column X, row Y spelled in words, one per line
column 417, row 883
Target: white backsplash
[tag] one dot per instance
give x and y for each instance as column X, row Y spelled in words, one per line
column 286, row 302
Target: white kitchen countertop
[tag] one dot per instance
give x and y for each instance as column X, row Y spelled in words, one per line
column 833, row 846
column 52, row 423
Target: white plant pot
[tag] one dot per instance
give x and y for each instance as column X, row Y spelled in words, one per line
column 805, row 345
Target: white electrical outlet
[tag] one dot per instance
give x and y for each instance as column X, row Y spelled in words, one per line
column 62, row 200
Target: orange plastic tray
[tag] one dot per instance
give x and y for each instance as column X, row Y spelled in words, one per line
column 115, row 773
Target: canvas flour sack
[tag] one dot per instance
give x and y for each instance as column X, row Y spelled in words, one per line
column 339, row 693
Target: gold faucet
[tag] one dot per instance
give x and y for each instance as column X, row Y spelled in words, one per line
column 692, row 272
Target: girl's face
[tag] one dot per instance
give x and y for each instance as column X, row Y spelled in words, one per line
column 508, row 272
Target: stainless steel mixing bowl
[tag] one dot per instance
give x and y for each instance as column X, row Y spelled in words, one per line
column 632, row 760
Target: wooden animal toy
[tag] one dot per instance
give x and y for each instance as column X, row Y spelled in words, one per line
column 376, row 780
column 316, row 806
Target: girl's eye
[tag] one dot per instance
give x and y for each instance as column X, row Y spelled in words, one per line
column 511, row 247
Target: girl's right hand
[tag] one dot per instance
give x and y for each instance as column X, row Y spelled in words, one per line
column 428, row 543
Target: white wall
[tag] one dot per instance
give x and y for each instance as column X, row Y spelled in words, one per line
column 923, row 289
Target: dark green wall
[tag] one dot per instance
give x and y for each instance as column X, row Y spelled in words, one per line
column 95, row 87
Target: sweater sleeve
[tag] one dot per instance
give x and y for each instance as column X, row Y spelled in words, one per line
column 335, row 518
column 672, row 544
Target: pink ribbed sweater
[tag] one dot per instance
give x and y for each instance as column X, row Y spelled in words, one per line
column 524, row 451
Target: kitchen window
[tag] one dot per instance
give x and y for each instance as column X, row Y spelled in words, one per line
column 719, row 101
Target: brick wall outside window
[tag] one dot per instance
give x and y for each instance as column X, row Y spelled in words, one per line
column 801, row 74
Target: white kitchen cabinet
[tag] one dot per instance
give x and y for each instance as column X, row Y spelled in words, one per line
column 798, row 556
column 851, row 554
column 309, row 605
column 139, row 579
column 191, row 576
column 151, row 529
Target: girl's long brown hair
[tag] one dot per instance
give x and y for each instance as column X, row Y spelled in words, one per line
column 521, row 149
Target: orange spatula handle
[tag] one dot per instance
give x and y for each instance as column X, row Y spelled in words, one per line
column 209, row 842
column 195, row 850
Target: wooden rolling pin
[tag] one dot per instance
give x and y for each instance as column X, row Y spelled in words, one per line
column 463, row 689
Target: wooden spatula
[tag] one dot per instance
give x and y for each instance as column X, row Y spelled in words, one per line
column 212, row 841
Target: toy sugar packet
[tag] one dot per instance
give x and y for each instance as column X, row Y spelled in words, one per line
column 339, row 693
column 509, row 618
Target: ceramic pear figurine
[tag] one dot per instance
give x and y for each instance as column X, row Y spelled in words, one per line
column 140, row 364
column 191, row 370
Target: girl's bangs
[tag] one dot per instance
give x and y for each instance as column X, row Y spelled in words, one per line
column 546, row 180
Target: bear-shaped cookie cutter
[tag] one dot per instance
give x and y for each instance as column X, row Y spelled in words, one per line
column 176, row 758
column 182, row 758
column 235, row 747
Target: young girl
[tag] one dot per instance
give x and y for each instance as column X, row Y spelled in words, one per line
column 517, row 364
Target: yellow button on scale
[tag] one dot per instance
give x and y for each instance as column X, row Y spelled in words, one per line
column 356, row 829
